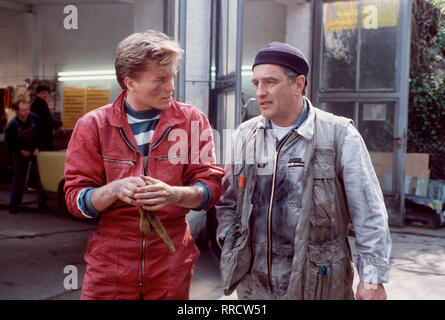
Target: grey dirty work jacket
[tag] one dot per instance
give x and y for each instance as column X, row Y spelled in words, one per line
column 321, row 266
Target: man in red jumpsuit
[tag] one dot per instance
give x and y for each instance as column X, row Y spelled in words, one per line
column 145, row 135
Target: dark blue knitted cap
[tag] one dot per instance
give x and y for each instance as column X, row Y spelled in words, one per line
column 285, row 55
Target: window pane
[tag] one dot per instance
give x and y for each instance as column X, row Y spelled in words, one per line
column 339, row 59
column 226, row 121
column 376, row 125
column 375, row 122
column 231, row 35
column 223, row 46
column 378, row 44
column 344, row 109
column 228, row 36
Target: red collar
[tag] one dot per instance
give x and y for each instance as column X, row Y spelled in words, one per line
column 169, row 118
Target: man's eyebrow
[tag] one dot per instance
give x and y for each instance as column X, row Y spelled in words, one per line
column 270, row 78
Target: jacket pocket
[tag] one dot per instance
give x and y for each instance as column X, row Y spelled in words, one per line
column 239, row 186
column 174, row 159
column 118, row 168
column 101, row 257
column 233, row 263
column 328, row 272
column 167, row 168
column 181, row 268
column 324, row 188
column 228, row 258
column 237, row 169
column 129, row 162
column 295, row 181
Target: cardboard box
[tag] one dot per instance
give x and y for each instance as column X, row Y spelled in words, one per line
column 416, row 164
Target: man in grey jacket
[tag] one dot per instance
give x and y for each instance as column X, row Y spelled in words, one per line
column 297, row 179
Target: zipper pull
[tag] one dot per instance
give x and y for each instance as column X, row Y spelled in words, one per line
column 323, row 271
column 242, row 180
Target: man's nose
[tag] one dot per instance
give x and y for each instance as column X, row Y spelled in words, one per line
column 260, row 90
column 170, row 86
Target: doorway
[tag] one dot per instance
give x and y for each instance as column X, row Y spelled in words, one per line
column 361, row 71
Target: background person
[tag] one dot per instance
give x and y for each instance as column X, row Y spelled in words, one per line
column 23, row 139
column 40, row 107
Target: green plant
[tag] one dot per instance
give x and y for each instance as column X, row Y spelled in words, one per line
column 426, row 128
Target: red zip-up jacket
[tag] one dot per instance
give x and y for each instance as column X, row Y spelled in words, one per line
column 122, row 263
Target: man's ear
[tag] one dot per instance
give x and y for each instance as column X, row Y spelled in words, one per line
column 300, row 82
column 129, row 83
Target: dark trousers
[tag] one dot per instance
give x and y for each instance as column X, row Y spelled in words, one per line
column 23, row 167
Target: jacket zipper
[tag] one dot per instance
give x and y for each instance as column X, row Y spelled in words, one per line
column 124, row 136
column 132, row 163
column 169, row 157
column 269, row 217
column 142, row 260
column 164, row 134
column 157, row 143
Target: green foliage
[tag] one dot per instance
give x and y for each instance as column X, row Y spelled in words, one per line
column 426, row 126
column 439, row 4
column 426, row 114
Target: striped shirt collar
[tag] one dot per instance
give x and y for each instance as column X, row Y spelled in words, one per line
column 145, row 114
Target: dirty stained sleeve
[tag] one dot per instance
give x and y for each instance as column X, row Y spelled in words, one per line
column 367, row 210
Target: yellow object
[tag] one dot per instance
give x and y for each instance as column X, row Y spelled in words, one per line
column 51, row 166
column 96, row 98
column 73, row 107
column 150, row 222
column 343, row 15
column 10, row 114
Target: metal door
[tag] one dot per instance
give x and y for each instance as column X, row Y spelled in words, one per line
column 361, row 70
column 225, row 95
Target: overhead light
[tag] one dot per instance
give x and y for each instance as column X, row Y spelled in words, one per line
column 83, row 78
column 86, row 75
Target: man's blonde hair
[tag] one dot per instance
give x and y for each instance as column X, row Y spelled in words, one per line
column 18, row 100
column 141, row 50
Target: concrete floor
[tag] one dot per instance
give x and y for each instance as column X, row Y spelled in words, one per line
column 36, row 246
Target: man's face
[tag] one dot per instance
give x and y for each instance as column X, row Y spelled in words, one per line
column 152, row 89
column 277, row 99
column 43, row 94
column 23, row 110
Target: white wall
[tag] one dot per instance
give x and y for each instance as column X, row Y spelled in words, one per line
column 264, row 22
column 280, row 20
column 15, row 48
column 148, row 14
column 36, row 45
column 299, row 30
column 91, row 47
